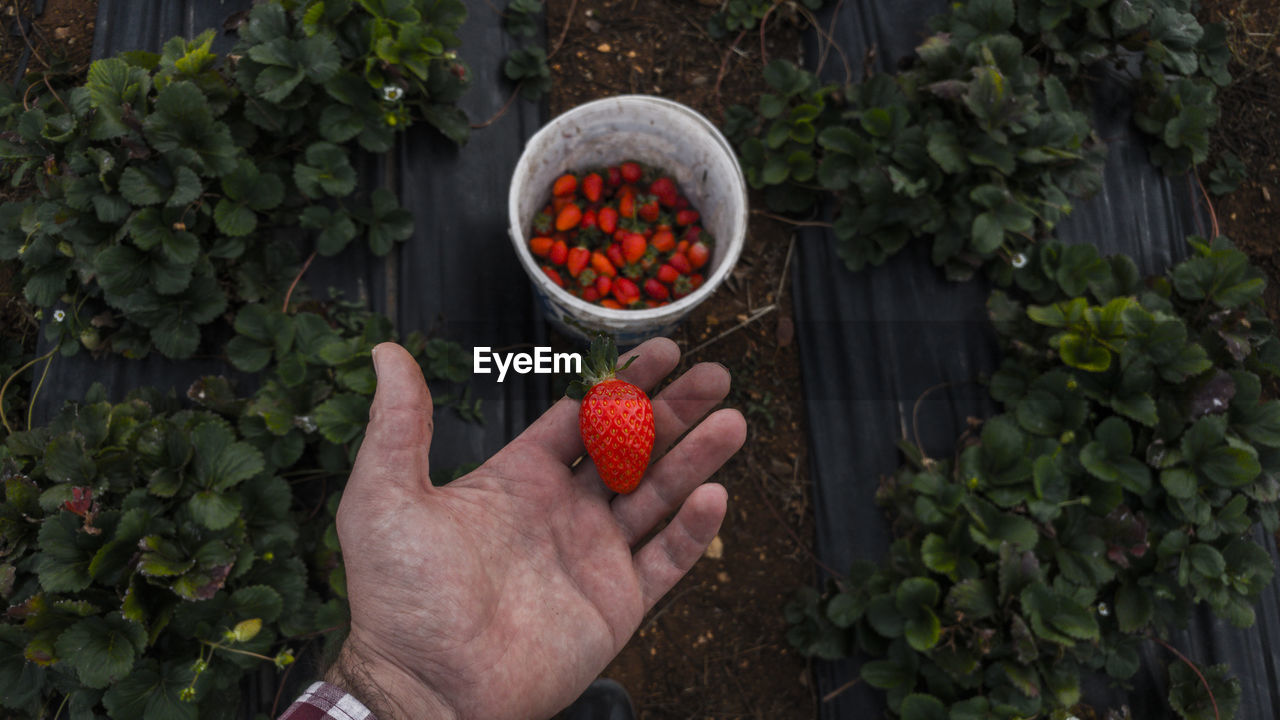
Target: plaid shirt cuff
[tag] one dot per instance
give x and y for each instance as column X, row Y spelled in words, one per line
column 323, row 701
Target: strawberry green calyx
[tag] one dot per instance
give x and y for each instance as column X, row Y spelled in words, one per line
column 600, row 364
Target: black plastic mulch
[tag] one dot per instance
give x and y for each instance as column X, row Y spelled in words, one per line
column 872, row 342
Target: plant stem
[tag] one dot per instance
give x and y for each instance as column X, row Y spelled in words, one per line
column 8, row 428
column 1194, row 669
column 31, row 404
column 789, row 221
column 218, row 646
column 297, row 278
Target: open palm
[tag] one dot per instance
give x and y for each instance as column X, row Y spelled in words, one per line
column 505, row 593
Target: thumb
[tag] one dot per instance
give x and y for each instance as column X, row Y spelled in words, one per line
column 398, row 436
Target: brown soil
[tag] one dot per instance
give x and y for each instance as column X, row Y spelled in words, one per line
column 715, row 646
column 1250, row 128
column 61, row 38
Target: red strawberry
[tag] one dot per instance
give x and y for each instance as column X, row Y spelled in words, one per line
column 607, row 220
column 615, row 176
column 602, row 266
column 633, row 247
column 663, row 241
column 577, row 260
column 668, row 274
column 604, row 284
column 680, row 263
column 589, row 220
column 590, row 295
column 568, row 217
column 695, row 280
column 540, row 246
column 649, row 211
column 614, row 253
column 631, row 172
column 610, row 303
column 625, row 290
column 555, row 276
column 565, row 185
column 699, row 253
column 682, row 202
column 592, row 187
column 686, row 217
column 627, row 202
column 692, row 233
column 559, row 253
column 665, row 189
column 655, row 289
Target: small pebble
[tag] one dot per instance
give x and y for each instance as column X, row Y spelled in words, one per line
column 604, row 47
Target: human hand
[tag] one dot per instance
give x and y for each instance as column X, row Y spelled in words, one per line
column 506, row 592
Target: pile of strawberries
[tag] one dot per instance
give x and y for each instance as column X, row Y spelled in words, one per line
column 621, row 237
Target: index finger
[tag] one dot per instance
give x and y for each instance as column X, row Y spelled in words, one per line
column 556, row 432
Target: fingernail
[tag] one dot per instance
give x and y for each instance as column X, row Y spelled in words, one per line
column 373, row 355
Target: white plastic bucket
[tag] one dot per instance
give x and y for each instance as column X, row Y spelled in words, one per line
column 653, row 131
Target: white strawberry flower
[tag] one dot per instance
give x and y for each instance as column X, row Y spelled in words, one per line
column 59, row 315
column 1019, row 260
column 391, row 93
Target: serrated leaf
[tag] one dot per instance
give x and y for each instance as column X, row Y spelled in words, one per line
column 342, row 417
column 234, row 219
column 140, row 189
column 102, row 649
column 214, row 510
column 152, row 690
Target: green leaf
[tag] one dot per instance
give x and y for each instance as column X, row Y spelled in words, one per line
column 327, row 170
column 340, row 123
column 102, row 649
column 886, row 675
column 1081, row 351
column 917, row 706
column 971, row 598
column 183, row 122
column 220, row 462
column 234, row 219
column 947, row 152
column 140, row 189
column 388, row 223
column 214, row 510
column 65, row 553
column 987, row 232
column 152, row 690
column 923, row 631
column 1109, row 457
column 186, row 188
column 845, row 609
column 342, row 417
column 1134, row 608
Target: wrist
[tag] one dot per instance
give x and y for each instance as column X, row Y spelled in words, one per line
column 389, row 691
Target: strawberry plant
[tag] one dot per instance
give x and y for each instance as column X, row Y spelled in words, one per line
column 983, row 142
column 154, row 552
column 164, row 183
column 1118, row 489
column 741, row 15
